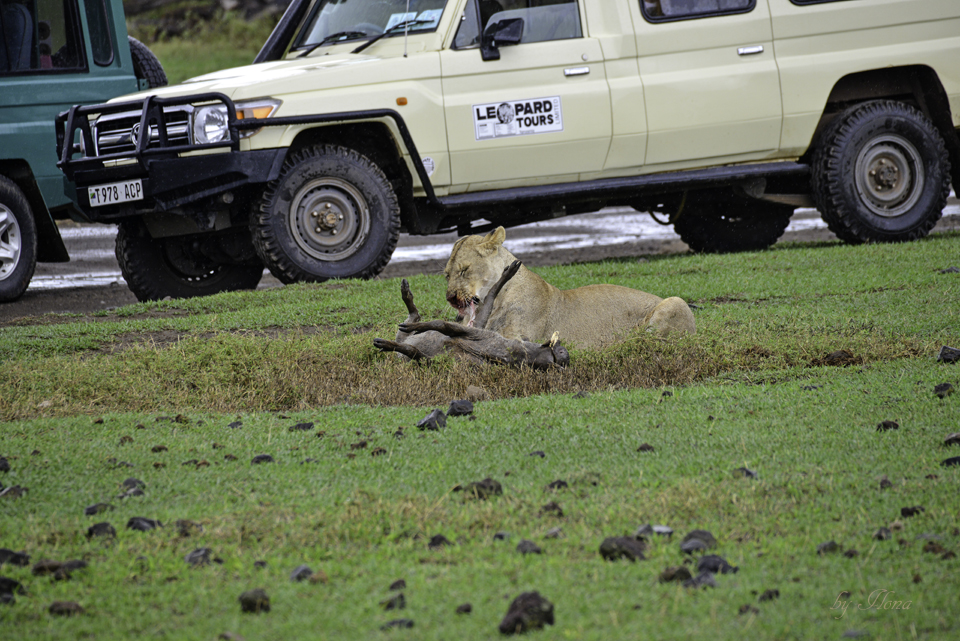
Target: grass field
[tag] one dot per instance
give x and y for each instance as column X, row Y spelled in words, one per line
column 149, row 391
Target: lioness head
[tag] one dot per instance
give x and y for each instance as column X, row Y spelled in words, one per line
column 475, row 264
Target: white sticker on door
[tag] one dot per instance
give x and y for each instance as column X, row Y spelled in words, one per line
column 517, row 118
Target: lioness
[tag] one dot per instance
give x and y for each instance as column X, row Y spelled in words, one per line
column 529, row 308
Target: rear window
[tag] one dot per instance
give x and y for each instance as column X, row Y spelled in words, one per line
column 669, row 10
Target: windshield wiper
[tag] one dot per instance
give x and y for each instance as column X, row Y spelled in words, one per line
column 399, row 25
column 340, row 35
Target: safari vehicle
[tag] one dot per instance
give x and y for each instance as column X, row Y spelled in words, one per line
column 362, row 119
column 53, row 54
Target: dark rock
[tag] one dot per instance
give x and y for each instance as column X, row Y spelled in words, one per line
column 97, row 508
column 259, row 565
column 851, row 553
column 715, row 565
column 933, row 547
column 559, row 484
column 744, row 472
column 399, row 584
column 646, row 447
column 378, row 451
column 912, row 511
column 460, row 408
column 133, row 491
column 14, row 558
column 950, row 462
column 13, row 492
column 437, row 541
column 693, row 546
column 828, row 547
column 667, row 394
column 748, row 608
column 131, row 483
column 501, row 536
column 261, row 458
column 397, row 623
column 300, row 427
column 950, row 270
column 4, row 464
column 769, row 595
column 885, row 483
column 65, row 608
column 45, row 567
column 396, row 602
column 434, row 421
column 948, row 355
column 622, row 547
column 142, row 524
column 235, row 425
column 952, row 439
column 529, row 611
column 701, row 535
column 677, row 573
column 702, row 580
column 528, row 547
column 581, row 394
column 11, row 586
column 301, row 573
column 101, row 529
column 483, row 489
column 646, row 530
column 883, row 534
column 255, row 601
column 839, row 358
column 7, row 598
column 464, row 608
column 886, row 426
column 552, row 508
column 539, row 453
column 943, row 390
column 156, row 449
column 199, row 557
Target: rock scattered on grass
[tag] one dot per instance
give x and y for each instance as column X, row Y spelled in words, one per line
column 101, row 529
column 255, row 601
column 156, row 449
column 399, row 584
column 553, row 508
column 646, row 447
column 397, row 623
column 396, row 602
column 461, row 407
column 13, row 492
column 948, row 355
column 769, row 595
column 715, row 565
column 952, row 439
column 501, row 536
column 702, row 580
column 234, row 425
column 839, row 358
column 301, row 573
column 14, row 558
column 828, row 547
column 529, row 611
column 932, row 547
column 259, row 565
column 481, row 489
column 539, row 453
column 65, row 608
column 130, row 493
column 646, row 530
column 261, row 458
column 130, row 483
column 675, row 573
column 4, row 464
column 851, row 553
column 559, row 484
column 554, row 533
column 886, row 426
column 950, row 462
column 950, row 270
column 199, row 557
column 464, row 608
column 745, row 472
column 622, row 547
column 528, row 547
column 97, row 508
column 143, row 524
column 943, row 390
column 11, row 586
column 187, row 528
column 748, row 608
column 437, row 541
column 48, row 567
column 703, row 535
column 883, row 534
column 885, row 482
column 300, row 427
column 433, row 421
column 907, row 512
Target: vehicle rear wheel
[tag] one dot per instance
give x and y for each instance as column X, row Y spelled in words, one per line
column 881, row 173
column 156, row 268
column 331, row 214
column 733, row 225
column 18, row 241
column 145, row 64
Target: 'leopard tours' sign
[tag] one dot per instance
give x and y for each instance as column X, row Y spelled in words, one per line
column 517, row 118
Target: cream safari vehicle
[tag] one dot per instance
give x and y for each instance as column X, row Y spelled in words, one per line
column 362, row 119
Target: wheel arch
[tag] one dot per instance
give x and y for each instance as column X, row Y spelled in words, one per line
column 50, row 247
column 918, row 85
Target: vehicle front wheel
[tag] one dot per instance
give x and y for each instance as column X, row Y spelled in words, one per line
column 18, row 241
column 881, row 173
column 156, row 268
column 332, row 213
column 734, row 225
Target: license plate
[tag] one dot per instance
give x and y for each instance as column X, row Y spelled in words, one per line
column 114, row 193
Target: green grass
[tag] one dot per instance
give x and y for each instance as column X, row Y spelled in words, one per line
column 746, row 391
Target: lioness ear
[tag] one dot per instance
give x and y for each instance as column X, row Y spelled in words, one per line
column 494, row 239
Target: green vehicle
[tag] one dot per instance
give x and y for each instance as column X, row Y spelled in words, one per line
column 53, row 54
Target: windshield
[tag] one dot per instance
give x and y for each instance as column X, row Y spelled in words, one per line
column 333, row 21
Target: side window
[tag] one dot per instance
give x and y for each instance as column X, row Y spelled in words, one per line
column 667, row 10
column 803, row 2
column 99, row 25
column 543, row 20
column 40, row 36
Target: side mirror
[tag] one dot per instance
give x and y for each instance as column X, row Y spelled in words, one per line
column 499, row 34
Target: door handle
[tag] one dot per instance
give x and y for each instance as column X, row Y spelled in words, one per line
column 576, row 71
column 750, row 51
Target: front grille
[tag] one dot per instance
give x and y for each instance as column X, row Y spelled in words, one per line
column 115, row 133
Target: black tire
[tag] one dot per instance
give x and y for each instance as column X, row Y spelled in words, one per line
column 156, row 268
column 734, row 225
column 331, row 214
column 881, row 173
column 18, row 242
column 145, row 64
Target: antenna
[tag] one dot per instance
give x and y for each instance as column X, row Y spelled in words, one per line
column 406, row 27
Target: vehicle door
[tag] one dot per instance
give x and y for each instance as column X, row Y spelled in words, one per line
column 710, row 80
column 541, row 110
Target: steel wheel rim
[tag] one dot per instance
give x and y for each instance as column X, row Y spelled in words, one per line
column 11, row 242
column 329, row 219
column 889, row 176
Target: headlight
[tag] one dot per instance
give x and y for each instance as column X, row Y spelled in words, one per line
column 210, row 122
